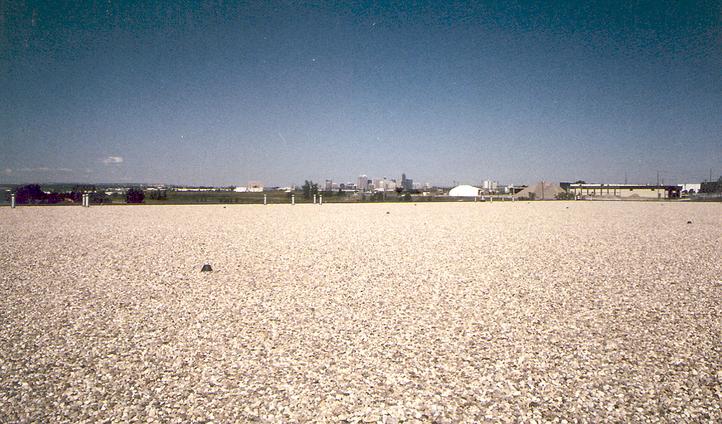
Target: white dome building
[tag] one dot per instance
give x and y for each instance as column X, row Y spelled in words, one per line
column 464, row 191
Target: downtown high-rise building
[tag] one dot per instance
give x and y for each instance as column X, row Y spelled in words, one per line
column 406, row 183
column 362, row 183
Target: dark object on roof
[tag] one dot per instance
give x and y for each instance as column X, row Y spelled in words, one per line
column 206, row 268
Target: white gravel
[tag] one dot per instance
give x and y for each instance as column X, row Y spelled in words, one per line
column 461, row 312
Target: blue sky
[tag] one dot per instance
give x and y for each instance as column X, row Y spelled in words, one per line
column 219, row 93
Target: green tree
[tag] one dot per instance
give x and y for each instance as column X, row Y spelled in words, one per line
column 159, row 195
column 76, row 193
column 30, row 193
column 134, row 195
column 100, row 198
column 309, row 189
column 54, row 198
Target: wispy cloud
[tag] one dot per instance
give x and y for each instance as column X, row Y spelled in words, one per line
column 39, row 169
column 7, row 171
column 112, row 159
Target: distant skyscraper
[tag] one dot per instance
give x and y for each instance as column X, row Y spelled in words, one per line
column 329, row 185
column 362, row 183
column 381, row 184
column 406, row 184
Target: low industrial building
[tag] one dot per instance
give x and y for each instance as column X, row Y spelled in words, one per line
column 691, row 188
column 255, row 186
column 543, row 190
column 625, row 191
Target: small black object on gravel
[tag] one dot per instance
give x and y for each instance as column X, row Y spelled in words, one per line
column 387, row 212
column 689, row 222
column 206, row 268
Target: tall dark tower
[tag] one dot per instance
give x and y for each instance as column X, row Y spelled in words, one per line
column 406, row 184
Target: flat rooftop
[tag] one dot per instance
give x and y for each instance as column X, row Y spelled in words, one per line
column 445, row 312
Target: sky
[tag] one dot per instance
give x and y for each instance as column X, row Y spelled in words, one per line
column 220, row 93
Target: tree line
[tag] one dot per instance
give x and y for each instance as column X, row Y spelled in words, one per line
column 32, row 194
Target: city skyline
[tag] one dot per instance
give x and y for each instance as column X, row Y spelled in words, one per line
column 213, row 94
column 481, row 182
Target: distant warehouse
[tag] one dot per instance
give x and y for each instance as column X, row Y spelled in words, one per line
column 625, row 191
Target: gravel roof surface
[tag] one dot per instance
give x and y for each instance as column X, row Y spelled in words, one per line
column 449, row 312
